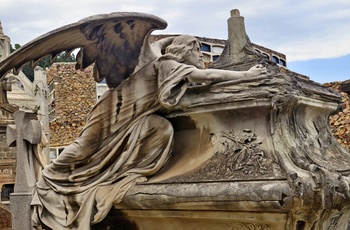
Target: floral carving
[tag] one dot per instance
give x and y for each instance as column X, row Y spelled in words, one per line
column 239, row 157
column 249, row 226
column 243, row 149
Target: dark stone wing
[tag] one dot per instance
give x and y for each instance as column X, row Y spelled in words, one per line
column 115, row 42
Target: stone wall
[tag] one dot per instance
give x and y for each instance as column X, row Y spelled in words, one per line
column 7, row 176
column 5, row 218
column 6, row 153
column 75, row 95
column 7, row 160
column 340, row 121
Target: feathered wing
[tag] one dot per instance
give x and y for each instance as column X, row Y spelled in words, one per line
column 117, row 43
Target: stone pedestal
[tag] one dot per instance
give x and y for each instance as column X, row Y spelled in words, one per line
column 20, row 207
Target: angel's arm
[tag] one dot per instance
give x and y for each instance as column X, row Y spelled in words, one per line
column 209, row 76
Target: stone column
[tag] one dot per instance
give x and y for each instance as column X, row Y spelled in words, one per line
column 4, row 44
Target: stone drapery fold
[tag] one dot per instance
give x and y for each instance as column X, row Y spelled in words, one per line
column 123, row 142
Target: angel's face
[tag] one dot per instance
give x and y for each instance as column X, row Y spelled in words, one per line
column 195, row 57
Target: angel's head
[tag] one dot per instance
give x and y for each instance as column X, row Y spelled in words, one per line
column 186, row 49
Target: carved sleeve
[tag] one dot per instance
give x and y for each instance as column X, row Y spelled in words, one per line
column 172, row 82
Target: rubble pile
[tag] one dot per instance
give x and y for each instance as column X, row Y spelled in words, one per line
column 75, row 95
column 340, row 121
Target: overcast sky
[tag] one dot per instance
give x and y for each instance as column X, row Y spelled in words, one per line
column 314, row 34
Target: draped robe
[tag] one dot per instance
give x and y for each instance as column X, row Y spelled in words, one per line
column 124, row 141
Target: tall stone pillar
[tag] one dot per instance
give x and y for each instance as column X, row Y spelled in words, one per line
column 239, row 43
column 239, row 53
column 4, row 45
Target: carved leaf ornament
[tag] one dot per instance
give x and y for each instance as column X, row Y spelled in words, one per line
column 243, row 149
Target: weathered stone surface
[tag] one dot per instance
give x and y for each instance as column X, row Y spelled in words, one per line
column 192, row 220
column 279, row 118
column 5, row 218
column 230, row 195
column 21, row 211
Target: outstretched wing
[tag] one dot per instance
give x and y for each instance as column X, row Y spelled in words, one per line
column 117, row 43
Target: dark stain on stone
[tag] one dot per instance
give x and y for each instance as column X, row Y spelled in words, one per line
column 118, row 28
column 116, row 220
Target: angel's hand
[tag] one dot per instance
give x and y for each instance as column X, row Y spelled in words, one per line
column 257, row 70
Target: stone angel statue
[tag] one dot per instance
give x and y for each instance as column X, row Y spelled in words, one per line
column 124, row 139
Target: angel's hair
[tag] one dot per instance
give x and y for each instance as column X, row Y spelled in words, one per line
column 182, row 46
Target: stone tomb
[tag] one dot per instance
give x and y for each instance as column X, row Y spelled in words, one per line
column 258, row 163
column 249, row 154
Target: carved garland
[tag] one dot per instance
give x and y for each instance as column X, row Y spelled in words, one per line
column 239, row 156
column 243, row 151
column 249, row 226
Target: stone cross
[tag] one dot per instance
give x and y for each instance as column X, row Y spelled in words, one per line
column 25, row 133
